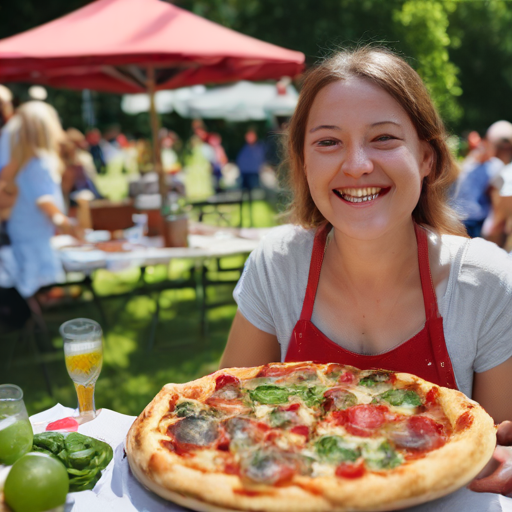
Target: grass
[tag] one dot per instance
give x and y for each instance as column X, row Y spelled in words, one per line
column 131, row 375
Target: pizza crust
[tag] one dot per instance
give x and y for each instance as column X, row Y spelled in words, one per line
column 439, row 473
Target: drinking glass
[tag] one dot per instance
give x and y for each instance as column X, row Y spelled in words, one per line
column 15, row 429
column 83, row 351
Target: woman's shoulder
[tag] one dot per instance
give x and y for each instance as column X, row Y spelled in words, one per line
column 476, row 261
column 285, row 248
column 287, row 239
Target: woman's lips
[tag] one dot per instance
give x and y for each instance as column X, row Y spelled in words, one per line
column 360, row 195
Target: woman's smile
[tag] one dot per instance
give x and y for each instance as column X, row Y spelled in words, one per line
column 360, row 196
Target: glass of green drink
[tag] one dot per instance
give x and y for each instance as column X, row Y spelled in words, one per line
column 15, row 429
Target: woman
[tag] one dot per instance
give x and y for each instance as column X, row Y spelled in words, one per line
column 379, row 271
column 35, row 173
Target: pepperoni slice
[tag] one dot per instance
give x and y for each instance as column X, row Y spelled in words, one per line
column 346, row 378
column 432, row 396
column 225, row 379
column 301, row 430
column 347, row 470
column 361, row 420
column 419, row 434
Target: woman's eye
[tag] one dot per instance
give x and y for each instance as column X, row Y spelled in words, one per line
column 327, row 143
column 384, row 138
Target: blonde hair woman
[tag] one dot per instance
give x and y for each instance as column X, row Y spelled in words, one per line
column 34, row 173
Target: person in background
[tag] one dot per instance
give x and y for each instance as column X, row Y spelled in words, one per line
column 38, row 211
column 6, row 106
column 472, row 193
column 219, row 159
column 6, row 200
column 168, row 154
column 250, row 159
column 93, row 138
column 79, row 173
column 377, row 271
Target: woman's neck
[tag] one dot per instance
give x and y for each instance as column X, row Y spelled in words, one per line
column 374, row 264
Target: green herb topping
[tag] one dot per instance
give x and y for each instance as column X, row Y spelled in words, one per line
column 401, row 397
column 332, row 449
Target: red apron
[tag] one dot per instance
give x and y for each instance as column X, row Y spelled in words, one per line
column 425, row 354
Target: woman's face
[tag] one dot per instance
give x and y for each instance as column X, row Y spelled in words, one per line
column 363, row 159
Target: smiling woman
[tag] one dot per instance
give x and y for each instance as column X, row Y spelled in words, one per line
column 377, row 271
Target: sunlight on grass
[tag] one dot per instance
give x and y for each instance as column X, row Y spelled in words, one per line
column 117, row 349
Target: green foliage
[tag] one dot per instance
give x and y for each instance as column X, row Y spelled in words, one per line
column 424, row 31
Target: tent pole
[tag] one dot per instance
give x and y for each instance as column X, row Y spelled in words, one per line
column 155, row 128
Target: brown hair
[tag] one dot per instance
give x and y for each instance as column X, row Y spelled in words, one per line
column 391, row 73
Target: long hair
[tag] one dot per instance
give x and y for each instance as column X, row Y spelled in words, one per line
column 391, row 73
column 36, row 130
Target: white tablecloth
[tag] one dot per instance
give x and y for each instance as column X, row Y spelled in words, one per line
column 119, row 491
column 148, row 252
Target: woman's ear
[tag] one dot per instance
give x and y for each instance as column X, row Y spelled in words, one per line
column 427, row 161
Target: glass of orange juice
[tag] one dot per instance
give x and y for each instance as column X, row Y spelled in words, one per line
column 83, row 351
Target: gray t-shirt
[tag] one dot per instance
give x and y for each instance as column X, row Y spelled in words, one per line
column 475, row 301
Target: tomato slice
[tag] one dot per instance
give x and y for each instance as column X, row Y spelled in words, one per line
column 65, row 424
column 224, row 380
column 347, row 470
column 301, row 430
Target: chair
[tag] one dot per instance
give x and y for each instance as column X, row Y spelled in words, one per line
column 214, row 277
column 30, row 328
column 215, row 204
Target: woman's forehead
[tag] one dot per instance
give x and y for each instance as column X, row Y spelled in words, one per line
column 354, row 99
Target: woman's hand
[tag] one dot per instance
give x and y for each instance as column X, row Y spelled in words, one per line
column 70, row 227
column 497, row 475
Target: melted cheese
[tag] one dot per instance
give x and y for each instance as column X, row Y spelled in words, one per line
column 262, row 411
column 306, row 415
column 323, row 470
column 406, row 410
column 205, row 459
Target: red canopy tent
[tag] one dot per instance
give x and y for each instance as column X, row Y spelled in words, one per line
column 128, row 46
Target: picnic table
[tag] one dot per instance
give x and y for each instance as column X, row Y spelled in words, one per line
column 205, row 244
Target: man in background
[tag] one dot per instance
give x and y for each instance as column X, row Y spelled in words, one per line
column 476, row 183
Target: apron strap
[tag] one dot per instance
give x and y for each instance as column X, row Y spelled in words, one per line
column 427, row 286
column 315, row 267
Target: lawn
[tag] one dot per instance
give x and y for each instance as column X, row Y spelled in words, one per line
column 131, row 374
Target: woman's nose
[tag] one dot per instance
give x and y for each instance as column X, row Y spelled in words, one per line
column 356, row 162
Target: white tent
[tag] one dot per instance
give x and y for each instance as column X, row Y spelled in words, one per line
column 165, row 101
column 242, row 101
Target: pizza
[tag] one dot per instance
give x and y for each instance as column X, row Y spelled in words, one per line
column 308, row 437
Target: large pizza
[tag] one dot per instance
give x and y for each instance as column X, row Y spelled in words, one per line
column 308, row 437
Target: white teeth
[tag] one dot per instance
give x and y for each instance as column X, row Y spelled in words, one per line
column 359, row 195
column 360, row 199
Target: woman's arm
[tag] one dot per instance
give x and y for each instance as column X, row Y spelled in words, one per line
column 491, row 389
column 60, row 221
column 249, row 346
